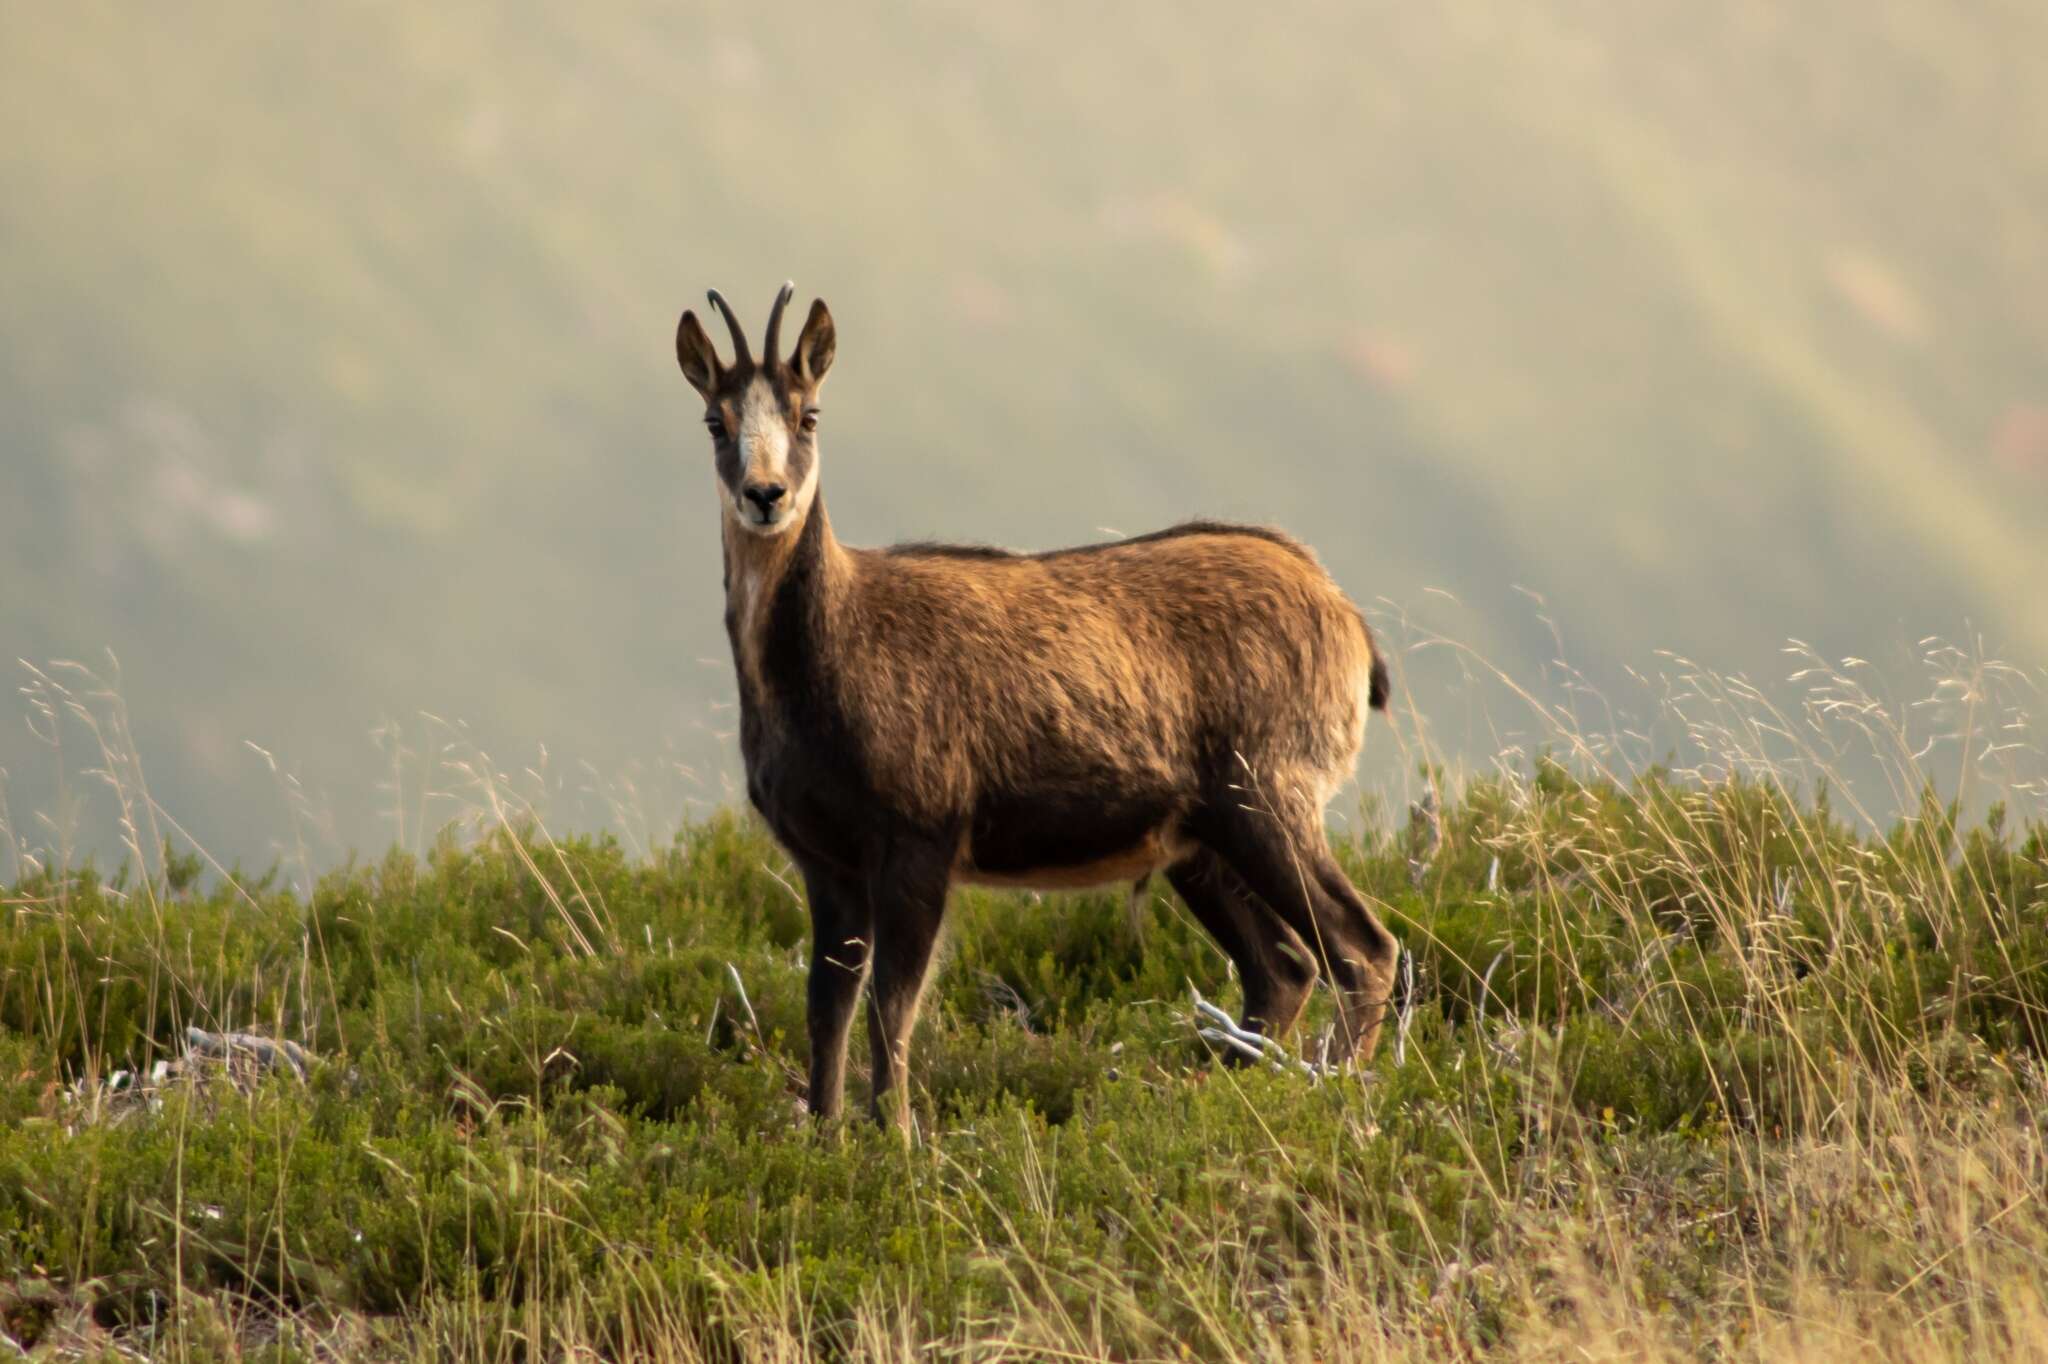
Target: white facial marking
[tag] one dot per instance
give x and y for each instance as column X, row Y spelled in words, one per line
column 763, row 440
column 764, row 436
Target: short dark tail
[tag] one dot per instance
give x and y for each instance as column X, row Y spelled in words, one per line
column 1377, row 685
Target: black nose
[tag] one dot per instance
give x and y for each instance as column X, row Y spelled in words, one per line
column 765, row 497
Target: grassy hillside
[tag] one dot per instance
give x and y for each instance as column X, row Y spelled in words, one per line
column 335, row 378
column 1691, row 1064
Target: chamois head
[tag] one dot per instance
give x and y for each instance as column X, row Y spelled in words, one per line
column 763, row 416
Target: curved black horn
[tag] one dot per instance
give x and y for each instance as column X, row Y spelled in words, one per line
column 775, row 322
column 742, row 356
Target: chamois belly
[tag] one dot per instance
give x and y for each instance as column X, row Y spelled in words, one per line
column 1059, row 841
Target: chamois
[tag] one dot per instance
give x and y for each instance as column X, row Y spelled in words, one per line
column 912, row 717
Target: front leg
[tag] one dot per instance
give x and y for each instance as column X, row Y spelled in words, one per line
column 840, row 950
column 909, row 887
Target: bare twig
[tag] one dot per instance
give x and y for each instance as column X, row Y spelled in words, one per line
column 748, row 1005
column 1425, row 836
column 1486, row 985
column 1229, row 1039
column 1404, row 1015
column 269, row 1053
column 1256, row 1046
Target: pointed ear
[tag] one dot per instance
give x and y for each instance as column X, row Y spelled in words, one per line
column 697, row 356
column 816, row 344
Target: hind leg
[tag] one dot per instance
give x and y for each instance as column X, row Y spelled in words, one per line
column 1272, row 961
column 1279, row 849
column 1381, row 955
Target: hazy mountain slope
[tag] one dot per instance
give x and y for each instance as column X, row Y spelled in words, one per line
column 336, row 382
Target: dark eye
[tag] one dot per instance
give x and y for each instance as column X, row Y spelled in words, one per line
column 810, row 420
column 716, row 426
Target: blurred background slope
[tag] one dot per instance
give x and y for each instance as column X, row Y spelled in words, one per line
column 336, row 379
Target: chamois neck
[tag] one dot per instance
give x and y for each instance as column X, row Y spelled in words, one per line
column 757, row 566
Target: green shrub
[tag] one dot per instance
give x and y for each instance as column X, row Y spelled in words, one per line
column 540, row 1085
